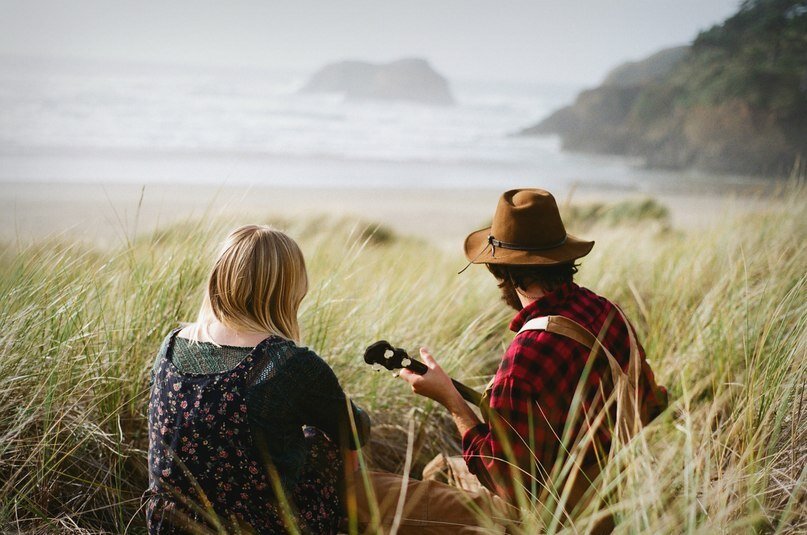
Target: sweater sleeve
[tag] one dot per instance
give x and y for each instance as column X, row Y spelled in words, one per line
column 322, row 403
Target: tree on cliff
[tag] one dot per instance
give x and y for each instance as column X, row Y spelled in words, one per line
column 735, row 102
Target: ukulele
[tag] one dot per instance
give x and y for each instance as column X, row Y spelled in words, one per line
column 382, row 354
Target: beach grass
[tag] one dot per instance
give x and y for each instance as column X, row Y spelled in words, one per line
column 721, row 312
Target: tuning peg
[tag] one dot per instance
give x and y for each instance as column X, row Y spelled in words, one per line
column 388, row 354
column 406, row 362
column 377, row 367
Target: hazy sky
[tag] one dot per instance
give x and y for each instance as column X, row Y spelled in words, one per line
column 558, row 41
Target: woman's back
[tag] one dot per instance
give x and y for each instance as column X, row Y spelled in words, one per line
column 230, row 421
column 202, row 450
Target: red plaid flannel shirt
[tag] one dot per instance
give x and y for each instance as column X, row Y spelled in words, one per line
column 537, row 377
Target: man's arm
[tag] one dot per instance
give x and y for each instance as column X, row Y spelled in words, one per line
column 496, row 456
column 464, row 417
column 520, row 442
column 512, row 449
column 437, row 385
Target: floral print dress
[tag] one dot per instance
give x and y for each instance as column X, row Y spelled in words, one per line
column 207, row 470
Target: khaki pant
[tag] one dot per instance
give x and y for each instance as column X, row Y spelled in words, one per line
column 430, row 507
column 454, row 471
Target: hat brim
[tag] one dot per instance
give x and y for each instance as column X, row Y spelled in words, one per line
column 477, row 251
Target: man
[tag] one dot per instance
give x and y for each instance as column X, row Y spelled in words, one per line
column 518, row 451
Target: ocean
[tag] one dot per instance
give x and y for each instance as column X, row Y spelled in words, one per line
column 86, row 122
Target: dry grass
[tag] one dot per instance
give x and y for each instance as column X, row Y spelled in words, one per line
column 721, row 313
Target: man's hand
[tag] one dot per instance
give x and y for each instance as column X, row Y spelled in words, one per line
column 434, row 384
column 437, row 385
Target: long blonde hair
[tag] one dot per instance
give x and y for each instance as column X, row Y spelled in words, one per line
column 256, row 284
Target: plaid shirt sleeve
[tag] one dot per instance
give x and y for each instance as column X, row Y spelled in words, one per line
column 529, row 401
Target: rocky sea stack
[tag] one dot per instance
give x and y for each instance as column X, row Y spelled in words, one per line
column 410, row 79
column 735, row 101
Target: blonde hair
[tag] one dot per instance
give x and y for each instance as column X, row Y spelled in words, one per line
column 256, row 284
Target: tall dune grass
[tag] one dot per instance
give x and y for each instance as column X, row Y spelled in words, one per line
column 721, row 312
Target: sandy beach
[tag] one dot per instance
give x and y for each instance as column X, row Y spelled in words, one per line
column 109, row 213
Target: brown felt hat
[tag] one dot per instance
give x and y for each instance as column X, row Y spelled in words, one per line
column 526, row 229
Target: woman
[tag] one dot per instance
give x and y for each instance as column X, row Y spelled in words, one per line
column 246, row 428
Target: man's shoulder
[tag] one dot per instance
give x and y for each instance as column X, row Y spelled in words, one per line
column 592, row 311
column 533, row 353
column 586, row 298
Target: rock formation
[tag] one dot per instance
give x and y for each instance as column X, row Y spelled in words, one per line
column 410, row 79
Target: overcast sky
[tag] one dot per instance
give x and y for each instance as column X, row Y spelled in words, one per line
column 558, row 41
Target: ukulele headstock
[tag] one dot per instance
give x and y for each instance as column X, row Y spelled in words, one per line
column 383, row 355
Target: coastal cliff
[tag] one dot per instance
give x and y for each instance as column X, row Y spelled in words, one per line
column 735, row 101
column 410, row 79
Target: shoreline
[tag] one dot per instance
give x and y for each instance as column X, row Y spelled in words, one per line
column 108, row 213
